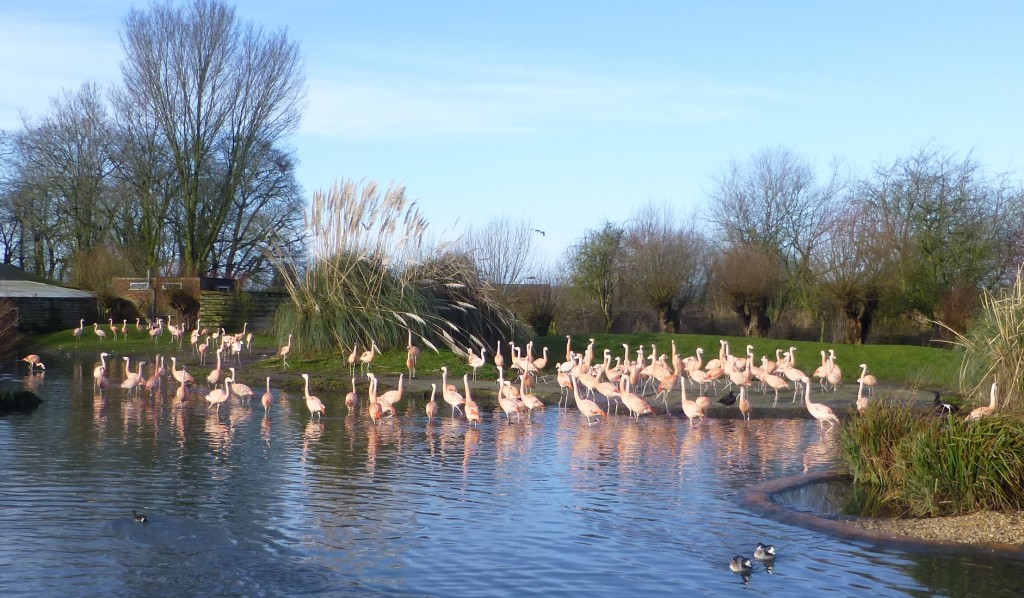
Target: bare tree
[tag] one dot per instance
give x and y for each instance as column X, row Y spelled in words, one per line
column 10, row 224
column 219, row 91
column 503, row 250
column 595, row 268
column 941, row 211
column 774, row 201
column 749, row 280
column 62, row 183
column 854, row 267
column 267, row 211
column 664, row 262
column 146, row 188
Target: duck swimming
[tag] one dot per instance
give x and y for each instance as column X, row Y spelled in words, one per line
column 764, row 552
column 138, row 517
column 740, row 564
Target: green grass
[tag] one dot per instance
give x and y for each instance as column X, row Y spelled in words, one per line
column 911, row 367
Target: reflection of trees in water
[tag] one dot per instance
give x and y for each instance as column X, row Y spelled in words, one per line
column 32, row 381
column 99, row 411
column 822, row 450
column 218, row 434
column 951, row 575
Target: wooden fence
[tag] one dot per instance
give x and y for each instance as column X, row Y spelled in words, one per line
column 230, row 310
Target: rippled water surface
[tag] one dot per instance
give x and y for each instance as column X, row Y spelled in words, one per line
column 243, row 504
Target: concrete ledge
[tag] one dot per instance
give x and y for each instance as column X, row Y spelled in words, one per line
column 760, row 500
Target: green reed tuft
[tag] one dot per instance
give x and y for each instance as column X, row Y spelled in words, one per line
column 925, row 466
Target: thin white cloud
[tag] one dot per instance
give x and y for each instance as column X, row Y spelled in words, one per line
column 362, row 104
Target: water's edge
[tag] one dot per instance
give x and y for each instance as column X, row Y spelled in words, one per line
column 760, row 499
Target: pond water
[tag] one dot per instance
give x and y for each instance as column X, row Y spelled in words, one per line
column 242, row 504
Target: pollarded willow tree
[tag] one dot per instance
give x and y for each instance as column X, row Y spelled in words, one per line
column 854, row 267
column 749, row 280
column 774, row 202
column 664, row 263
column 218, row 92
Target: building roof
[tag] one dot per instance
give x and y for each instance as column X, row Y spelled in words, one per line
column 9, row 272
column 27, row 288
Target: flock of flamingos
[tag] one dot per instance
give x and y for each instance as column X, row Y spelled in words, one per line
column 580, row 376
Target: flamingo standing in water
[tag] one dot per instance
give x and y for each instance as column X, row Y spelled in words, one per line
column 218, row 395
column 389, row 398
column 183, row 394
column 690, row 408
column 449, row 392
column 214, row 375
column 351, row 398
column 99, row 370
column 432, row 405
column 267, row 398
column 132, row 379
column 33, row 361
column 587, row 407
column 862, row 401
column 375, row 410
column 819, row 411
column 472, row 409
column 242, row 391
column 744, row 403
column 315, row 405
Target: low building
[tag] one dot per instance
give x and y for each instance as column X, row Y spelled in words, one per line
column 40, row 306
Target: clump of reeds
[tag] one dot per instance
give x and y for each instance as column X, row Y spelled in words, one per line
column 872, row 442
column 993, row 349
column 925, row 466
column 367, row 278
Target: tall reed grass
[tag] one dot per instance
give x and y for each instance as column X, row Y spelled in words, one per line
column 993, row 348
column 925, row 465
column 372, row 277
column 928, row 466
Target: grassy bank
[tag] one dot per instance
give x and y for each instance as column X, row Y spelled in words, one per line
column 906, row 366
column 903, row 366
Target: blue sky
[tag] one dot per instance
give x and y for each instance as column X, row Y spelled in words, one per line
column 570, row 113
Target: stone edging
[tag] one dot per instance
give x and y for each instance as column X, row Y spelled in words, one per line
column 760, row 500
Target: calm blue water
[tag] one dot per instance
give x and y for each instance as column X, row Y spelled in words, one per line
column 242, row 504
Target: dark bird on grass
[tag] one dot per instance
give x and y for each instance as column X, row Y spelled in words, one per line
column 138, row 517
column 942, row 408
column 728, row 400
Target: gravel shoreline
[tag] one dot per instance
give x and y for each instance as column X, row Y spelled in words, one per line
column 985, row 527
